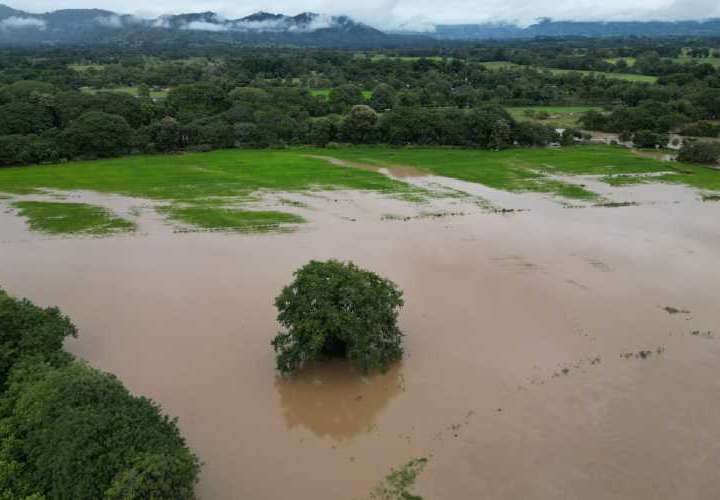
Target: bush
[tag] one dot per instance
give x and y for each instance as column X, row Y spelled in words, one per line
column 649, row 139
column 700, row 152
column 337, row 309
column 27, row 330
column 97, row 134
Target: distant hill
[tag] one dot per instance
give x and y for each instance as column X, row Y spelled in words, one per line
column 94, row 26
column 549, row 28
column 97, row 27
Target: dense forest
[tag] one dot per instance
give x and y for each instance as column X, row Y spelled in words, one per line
column 58, row 104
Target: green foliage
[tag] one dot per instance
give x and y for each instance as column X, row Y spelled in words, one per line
column 97, row 134
column 225, row 219
column 71, row 218
column 700, row 152
column 28, row 331
column 337, row 309
column 650, row 139
column 398, row 483
column 74, row 432
column 24, row 118
column 155, row 477
column 359, row 125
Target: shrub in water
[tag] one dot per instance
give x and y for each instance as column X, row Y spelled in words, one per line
column 337, row 309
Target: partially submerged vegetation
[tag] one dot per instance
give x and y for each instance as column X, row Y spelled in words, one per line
column 229, row 219
column 71, row 218
column 336, row 309
column 399, row 483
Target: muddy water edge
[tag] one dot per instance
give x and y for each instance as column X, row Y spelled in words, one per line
column 541, row 361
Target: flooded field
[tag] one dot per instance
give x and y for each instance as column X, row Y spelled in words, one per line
column 553, row 352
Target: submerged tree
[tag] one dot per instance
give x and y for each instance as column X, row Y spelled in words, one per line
column 334, row 308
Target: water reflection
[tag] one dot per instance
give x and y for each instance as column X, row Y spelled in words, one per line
column 332, row 399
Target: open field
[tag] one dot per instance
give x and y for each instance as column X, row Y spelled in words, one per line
column 560, row 116
column 221, row 190
column 87, row 67
column 383, row 57
column 630, row 77
column 134, row 91
column 715, row 61
column 545, row 340
column 630, row 61
column 367, row 94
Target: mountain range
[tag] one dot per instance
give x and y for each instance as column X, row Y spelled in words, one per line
column 96, row 26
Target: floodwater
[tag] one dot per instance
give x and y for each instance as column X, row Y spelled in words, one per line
column 541, row 363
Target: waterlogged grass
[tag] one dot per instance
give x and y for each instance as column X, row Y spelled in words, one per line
column 208, row 181
column 226, row 219
column 697, row 176
column 198, row 177
column 71, row 218
column 537, row 169
column 515, row 170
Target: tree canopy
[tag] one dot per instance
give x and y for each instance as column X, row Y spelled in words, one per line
column 334, row 308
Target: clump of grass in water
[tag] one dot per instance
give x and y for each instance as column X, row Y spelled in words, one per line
column 71, row 218
column 399, row 482
column 225, row 219
column 675, row 310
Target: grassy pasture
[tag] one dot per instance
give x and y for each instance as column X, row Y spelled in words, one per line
column 630, row 61
column 367, row 94
column 630, row 77
column 715, row 61
column 70, row 218
column 134, row 91
column 559, row 116
column 497, row 65
column 87, row 67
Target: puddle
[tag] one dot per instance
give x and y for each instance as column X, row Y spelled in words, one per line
column 494, row 304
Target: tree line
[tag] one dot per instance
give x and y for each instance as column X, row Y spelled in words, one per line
column 62, row 106
column 70, row 431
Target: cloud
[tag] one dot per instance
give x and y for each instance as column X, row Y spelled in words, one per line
column 415, row 15
column 322, row 21
column 267, row 25
column 15, row 23
column 110, row 21
column 161, row 22
column 204, row 26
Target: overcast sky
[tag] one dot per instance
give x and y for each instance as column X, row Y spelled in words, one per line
column 410, row 13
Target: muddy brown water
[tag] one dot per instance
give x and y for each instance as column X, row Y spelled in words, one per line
column 521, row 379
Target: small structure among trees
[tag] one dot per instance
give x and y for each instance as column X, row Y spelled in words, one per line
column 333, row 309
